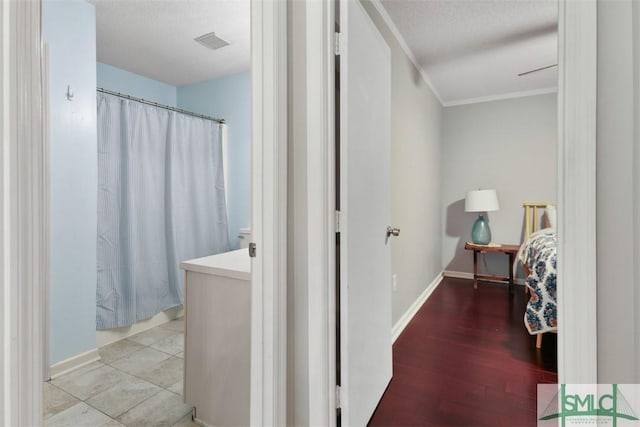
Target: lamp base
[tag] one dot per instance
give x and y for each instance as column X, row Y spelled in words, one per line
column 480, row 233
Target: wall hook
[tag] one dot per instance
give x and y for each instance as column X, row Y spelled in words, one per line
column 69, row 93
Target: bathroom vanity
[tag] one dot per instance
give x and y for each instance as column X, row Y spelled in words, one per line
column 217, row 337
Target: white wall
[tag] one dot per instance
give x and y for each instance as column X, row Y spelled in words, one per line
column 617, row 262
column 69, row 28
column 416, row 117
column 509, row 145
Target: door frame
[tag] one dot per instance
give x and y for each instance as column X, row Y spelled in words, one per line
column 269, row 212
column 24, row 191
column 24, row 216
column 311, row 390
column 576, row 194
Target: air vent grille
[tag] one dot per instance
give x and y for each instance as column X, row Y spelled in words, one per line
column 211, row 41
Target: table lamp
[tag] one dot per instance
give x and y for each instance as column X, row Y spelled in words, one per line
column 481, row 201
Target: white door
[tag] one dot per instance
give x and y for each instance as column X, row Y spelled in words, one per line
column 365, row 255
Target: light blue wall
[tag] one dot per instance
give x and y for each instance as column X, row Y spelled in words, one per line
column 70, row 29
column 122, row 81
column 229, row 98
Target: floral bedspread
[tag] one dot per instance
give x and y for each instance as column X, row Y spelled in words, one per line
column 538, row 253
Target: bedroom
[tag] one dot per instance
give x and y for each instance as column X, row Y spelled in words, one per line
column 463, row 120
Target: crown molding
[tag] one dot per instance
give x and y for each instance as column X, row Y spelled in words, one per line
column 405, row 47
column 425, row 77
column 500, row 97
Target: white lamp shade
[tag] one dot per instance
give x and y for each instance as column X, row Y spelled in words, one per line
column 481, row 201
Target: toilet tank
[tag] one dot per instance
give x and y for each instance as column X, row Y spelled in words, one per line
column 245, row 237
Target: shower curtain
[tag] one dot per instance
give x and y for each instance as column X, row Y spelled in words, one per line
column 161, row 201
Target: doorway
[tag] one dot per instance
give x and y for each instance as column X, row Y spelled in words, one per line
column 175, row 119
column 571, row 310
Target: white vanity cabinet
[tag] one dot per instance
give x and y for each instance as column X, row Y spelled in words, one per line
column 217, row 337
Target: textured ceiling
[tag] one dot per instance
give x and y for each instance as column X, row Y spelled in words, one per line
column 476, row 48
column 154, row 38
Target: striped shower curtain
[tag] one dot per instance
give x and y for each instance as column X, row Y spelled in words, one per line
column 161, row 201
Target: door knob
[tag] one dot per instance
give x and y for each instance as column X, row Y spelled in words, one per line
column 392, row 231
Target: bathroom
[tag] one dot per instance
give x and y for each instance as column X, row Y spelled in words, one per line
column 142, row 50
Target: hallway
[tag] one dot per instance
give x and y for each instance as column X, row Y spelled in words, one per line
column 466, row 359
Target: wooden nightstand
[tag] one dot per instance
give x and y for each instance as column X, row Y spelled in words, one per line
column 509, row 250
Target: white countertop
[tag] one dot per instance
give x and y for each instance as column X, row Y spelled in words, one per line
column 234, row 264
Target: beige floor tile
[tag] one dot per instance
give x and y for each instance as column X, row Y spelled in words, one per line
column 163, row 409
column 123, row 396
column 176, row 325
column 165, row 373
column 79, row 415
column 56, row 400
column 172, row 345
column 186, row 421
column 118, row 350
column 180, row 355
column 152, row 335
column 140, row 360
column 83, row 384
column 113, row 423
column 177, row 388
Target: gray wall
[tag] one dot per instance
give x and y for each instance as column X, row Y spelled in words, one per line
column 416, row 116
column 616, row 263
column 509, row 145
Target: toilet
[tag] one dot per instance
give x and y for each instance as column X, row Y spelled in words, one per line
column 245, row 237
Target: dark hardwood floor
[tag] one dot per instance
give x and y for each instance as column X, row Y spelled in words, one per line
column 466, row 359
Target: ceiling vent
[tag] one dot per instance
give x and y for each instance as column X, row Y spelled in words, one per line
column 211, row 41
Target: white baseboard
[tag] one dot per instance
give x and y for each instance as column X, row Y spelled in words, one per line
column 466, row 275
column 199, row 422
column 72, row 363
column 413, row 309
column 109, row 336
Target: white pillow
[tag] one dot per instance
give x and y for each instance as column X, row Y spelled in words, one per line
column 549, row 217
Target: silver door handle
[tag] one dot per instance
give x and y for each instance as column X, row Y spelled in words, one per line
column 392, row 231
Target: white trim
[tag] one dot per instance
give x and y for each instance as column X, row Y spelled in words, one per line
column 500, row 97
column 457, row 274
column 46, row 291
column 469, row 276
column 73, row 363
column 6, row 390
column 312, row 233
column 405, row 47
column 577, row 326
column 413, row 309
column 425, row 76
column 269, row 212
column 636, row 179
column 24, row 221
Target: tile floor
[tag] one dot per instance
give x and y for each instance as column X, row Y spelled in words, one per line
column 137, row 382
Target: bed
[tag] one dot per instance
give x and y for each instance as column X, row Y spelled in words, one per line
column 538, row 256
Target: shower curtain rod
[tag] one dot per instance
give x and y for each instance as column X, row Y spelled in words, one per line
column 155, row 104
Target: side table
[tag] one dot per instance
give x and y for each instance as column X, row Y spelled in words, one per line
column 509, row 250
